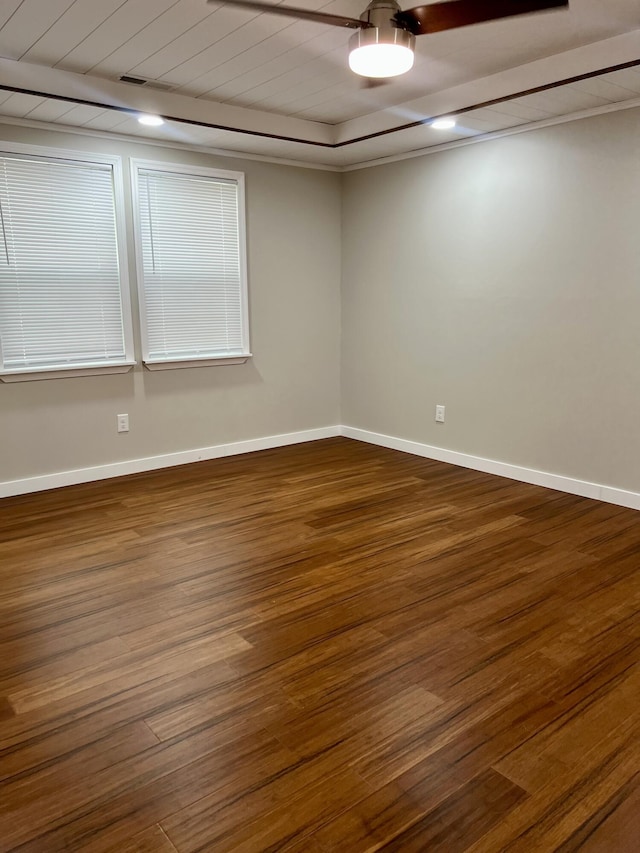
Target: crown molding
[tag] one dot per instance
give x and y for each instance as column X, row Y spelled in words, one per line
column 353, row 167
column 497, row 134
column 11, row 121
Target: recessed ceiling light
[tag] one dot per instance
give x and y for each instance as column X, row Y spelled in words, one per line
column 443, row 123
column 152, row 121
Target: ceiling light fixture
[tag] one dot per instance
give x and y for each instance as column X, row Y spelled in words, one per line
column 445, row 123
column 151, row 121
column 383, row 48
column 385, row 34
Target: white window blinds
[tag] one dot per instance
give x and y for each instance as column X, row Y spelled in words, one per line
column 61, row 302
column 191, row 265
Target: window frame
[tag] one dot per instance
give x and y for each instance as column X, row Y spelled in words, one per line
column 138, row 164
column 57, row 370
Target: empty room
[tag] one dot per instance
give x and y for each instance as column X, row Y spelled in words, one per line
column 319, row 445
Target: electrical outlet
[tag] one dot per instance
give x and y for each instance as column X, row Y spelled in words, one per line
column 440, row 414
column 123, row 423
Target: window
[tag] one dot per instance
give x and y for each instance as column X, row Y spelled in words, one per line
column 64, row 302
column 191, row 265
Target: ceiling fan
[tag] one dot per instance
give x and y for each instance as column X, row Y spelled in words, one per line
column 384, row 41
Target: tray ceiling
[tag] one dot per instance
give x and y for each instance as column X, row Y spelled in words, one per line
column 250, row 79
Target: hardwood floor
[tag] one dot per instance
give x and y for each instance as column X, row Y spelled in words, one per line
column 326, row 647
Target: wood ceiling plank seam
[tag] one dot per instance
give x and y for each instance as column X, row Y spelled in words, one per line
column 312, row 85
column 301, row 95
column 49, row 111
column 29, row 21
column 191, row 43
column 80, row 114
column 569, row 100
column 335, row 45
column 148, row 41
column 104, row 121
column 261, row 71
column 608, row 99
column 628, row 78
column 223, row 50
column 322, row 43
column 8, row 11
column 359, row 97
column 492, row 118
column 71, row 28
column 310, row 72
column 522, row 110
column 344, row 105
column 597, row 85
column 131, row 15
column 327, row 98
column 229, row 70
column 18, row 105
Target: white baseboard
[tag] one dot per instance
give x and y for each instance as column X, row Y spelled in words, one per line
column 620, row 497
column 166, row 460
column 609, row 494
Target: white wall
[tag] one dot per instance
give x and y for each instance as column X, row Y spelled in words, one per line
column 291, row 383
column 502, row 280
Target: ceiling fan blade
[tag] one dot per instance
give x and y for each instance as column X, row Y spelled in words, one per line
column 459, row 13
column 295, row 12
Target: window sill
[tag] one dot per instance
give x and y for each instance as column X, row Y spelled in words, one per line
column 33, row 373
column 172, row 364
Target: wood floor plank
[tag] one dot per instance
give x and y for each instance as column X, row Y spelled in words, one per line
column 6, row 709
column 128, row 797
column 288, row 823
column 563, row 741
column 82, row 717
column 554, row 813
column 327, row 647
column 376, row 819
column 152, row 840
column 33, row 798
column 462, row 818
column 261, row 797
column 615, row 826
column 127, row 668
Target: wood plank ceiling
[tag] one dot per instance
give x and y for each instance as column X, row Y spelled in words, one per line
column 274, row 68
